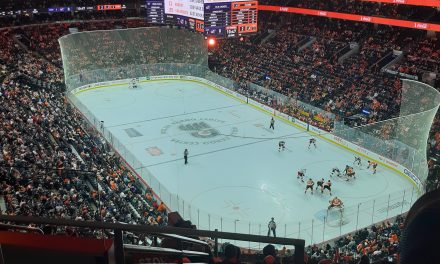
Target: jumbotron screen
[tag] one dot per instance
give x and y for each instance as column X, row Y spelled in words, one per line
column 220, row 18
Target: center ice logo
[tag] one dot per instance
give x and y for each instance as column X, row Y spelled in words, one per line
column 204, row 130
column 200, row 130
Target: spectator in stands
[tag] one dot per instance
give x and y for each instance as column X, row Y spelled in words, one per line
column 50, row 165
column 422, row 231
column 364, row 260
column 232, row 254
column 269, row 254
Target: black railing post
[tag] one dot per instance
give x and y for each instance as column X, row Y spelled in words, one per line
column 299, row 255
column 119, row 247
column 180, row 247
column 216, row 245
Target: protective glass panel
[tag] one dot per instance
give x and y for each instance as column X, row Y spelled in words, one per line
column 402, row 139
column 121, row 54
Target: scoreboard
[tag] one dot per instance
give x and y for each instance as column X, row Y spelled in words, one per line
column 186, row 8
column 184, row 13
column 220, row 18
column 230, row 19
column 155, row 12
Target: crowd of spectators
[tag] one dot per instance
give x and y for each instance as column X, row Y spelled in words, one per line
column 366, row 8
column 47, row 18
column 133, row 8
column 313, row 73
column 49, row 164
column 374, row 243
column 379, row 244
column 28, row 4
column 433, row 181
column 424, row 56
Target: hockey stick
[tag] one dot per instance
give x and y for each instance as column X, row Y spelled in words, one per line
column 288, row 149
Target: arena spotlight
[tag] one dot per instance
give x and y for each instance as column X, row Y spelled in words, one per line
column 212, row 42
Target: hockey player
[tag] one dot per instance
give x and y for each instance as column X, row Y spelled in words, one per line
column 185, row 156
column 357, row 160
column 309, row 185
column 301, row 174
column 373, row 165
column 320, row 183
column 272, row 123
column 134, row 83
column 328, row 186
column 312, row 141
column 335, row 171
column 346, row 169
column 281, row 145
column 336, row 202
column 349, row 171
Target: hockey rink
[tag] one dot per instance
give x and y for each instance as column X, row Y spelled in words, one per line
column 236, row 179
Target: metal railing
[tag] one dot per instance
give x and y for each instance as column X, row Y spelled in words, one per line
column 118, row 230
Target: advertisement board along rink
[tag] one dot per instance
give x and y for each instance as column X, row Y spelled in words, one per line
column 236, row 178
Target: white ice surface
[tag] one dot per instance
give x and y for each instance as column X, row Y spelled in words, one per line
column 237, row 179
